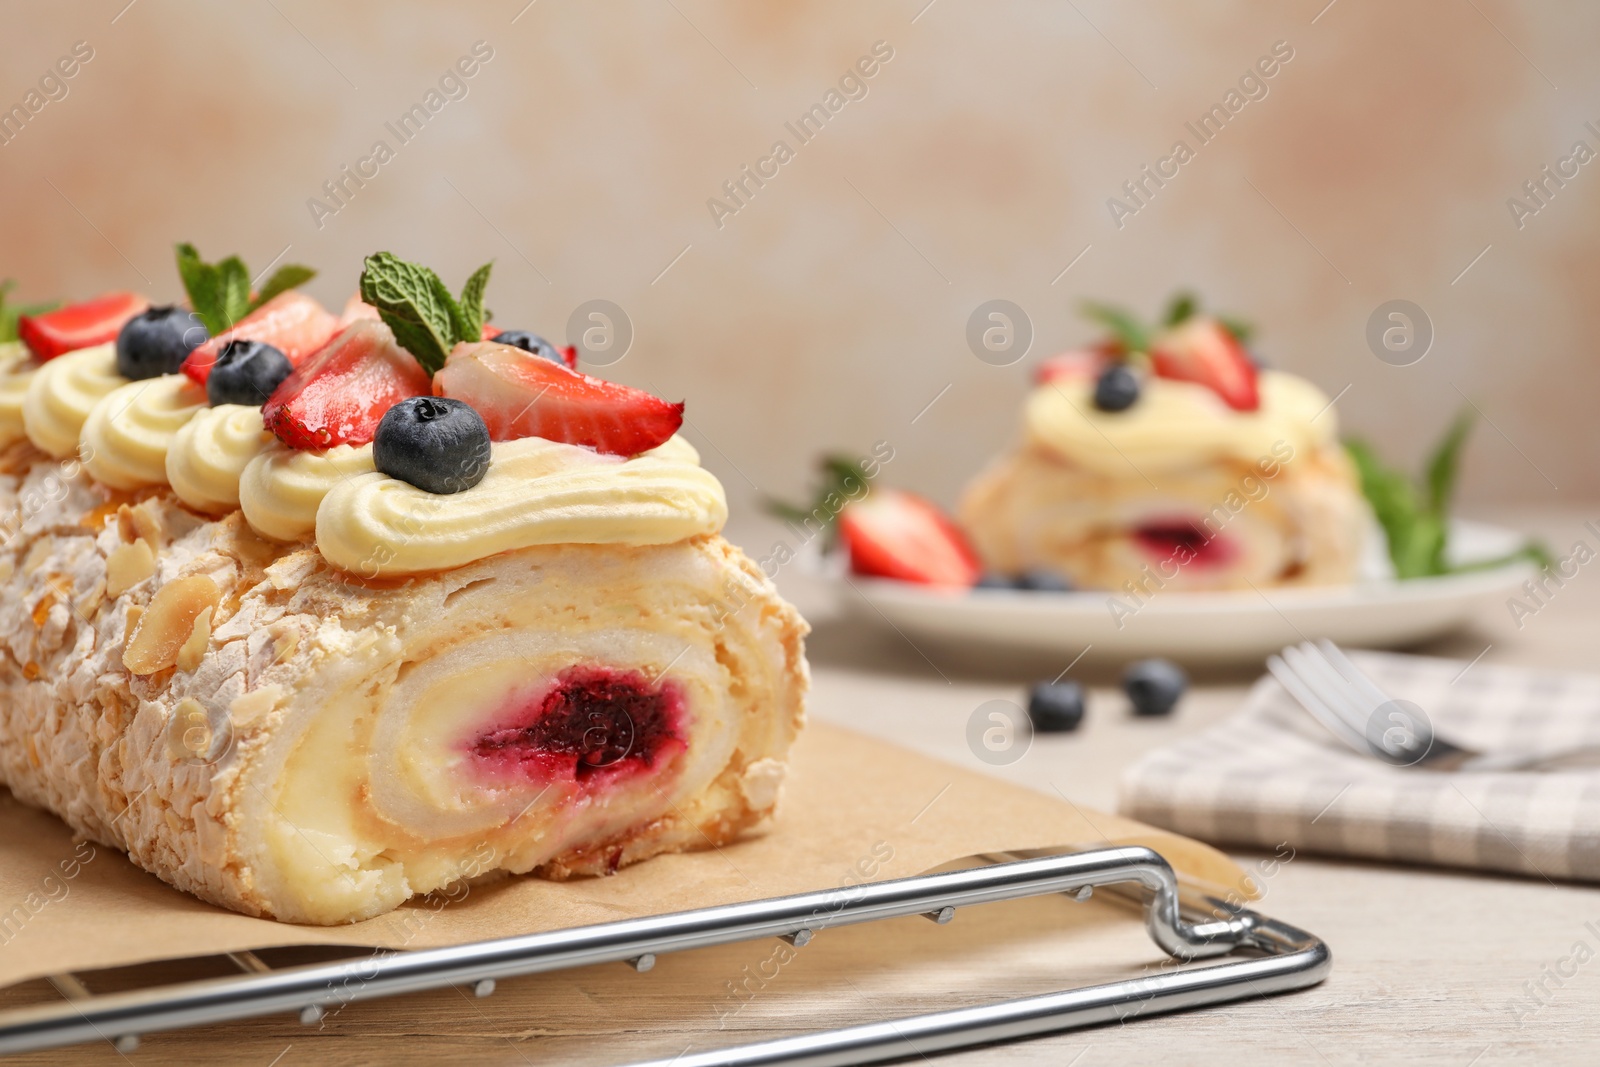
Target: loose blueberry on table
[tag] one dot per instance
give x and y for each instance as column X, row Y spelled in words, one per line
column 246, row 372
column 1154, row 686
column 155, row 342
column 1038, row 580
column 437, row 444
column 1056, row 707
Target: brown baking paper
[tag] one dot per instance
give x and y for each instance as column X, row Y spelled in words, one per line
column 856, row 810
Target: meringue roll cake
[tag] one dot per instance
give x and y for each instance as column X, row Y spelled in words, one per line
column 1178, row 465
column 310, row 627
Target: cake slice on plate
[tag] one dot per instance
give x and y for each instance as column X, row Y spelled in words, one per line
column 1164, row 458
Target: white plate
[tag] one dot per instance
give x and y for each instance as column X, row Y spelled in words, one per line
column 1375, row 612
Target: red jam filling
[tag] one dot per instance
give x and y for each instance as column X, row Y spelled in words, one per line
column 593, row 725
column 1185, row 544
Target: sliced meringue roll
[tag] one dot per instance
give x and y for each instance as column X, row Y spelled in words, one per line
column 290, row 739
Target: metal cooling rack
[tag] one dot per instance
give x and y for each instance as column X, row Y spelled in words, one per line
column 1267, row 957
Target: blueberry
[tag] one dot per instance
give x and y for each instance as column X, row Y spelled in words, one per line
column 1039, row 580
column 530, row 342
column 1055, row 707
column 1154, row 686
column 1117, row 388
column 246, row 372
column 155, row 342
column 991, row 580
column 437, row 444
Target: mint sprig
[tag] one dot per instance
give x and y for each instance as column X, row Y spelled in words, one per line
column 1134, row 335
column 415, row 303
column 1416, row 518
column 1130, row 333
column 841, row 480
column 219, row 292
column 289, row 276
column 1182, row 306
column 10, row 313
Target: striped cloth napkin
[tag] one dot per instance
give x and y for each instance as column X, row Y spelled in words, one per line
column 1271, row 775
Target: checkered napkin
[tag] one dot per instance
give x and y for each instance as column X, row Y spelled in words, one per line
column 1272, row 775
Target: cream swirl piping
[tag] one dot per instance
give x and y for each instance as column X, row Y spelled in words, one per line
column 1175, row 424
column 281, row 488
column 62, row 393
column 209, row 454
column 129, row 430
column 536, row 492
column 15, row 374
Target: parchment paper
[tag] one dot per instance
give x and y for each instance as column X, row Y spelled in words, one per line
column 856, row 810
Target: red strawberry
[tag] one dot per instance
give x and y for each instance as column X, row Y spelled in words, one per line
column 1203, row 350
column 93, row 322
column 1074, row 363
column 354, row 310
column 520, row 394
column 337, row 396
column 893, row 534
column 291, row 322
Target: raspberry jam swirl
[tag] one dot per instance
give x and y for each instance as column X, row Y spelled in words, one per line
column 595, row 724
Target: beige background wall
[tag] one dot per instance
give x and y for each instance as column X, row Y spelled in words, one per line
column 831, row 309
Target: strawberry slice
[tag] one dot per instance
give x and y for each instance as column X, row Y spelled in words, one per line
column 1203, row 350
column 93, row 322
column 292, row 322
column 894, row 534
column 355, row 309
column 520, row 394
column 337, row 396
column 1074, row 363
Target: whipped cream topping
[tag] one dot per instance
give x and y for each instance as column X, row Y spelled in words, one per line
column 1175, row 424
column 126, row 437
column 536, row 492
column 63, row 392
column 282, row 488
column 210, row 452
column 16, row 371
column 159, row 431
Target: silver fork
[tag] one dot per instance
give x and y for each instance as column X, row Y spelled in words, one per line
column 1352, row 707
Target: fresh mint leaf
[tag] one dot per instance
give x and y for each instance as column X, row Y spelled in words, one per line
column 471, row 304
column 191, row 268
column 842, row 480
column 1446, row 459
column 1183, row 306
column 1533, row 550
column 286, row 277
column 1394, row 503
column 413, row 301
column 219, row 293
column 1241, row 330
column 1127, row 329
column 1416, row 519
column 233, row 283
column 10, row 313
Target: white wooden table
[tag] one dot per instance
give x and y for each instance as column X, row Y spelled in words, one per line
column 1430, row 966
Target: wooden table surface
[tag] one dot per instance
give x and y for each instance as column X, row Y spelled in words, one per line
column 1430, row 966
